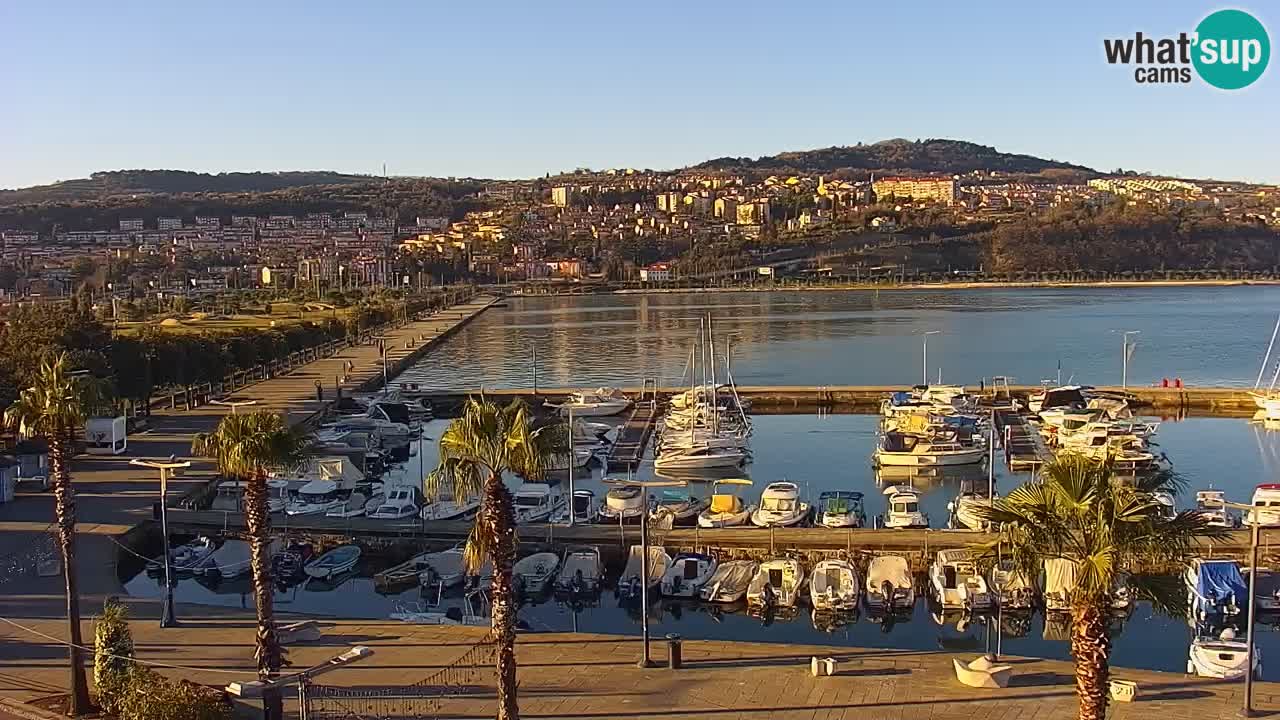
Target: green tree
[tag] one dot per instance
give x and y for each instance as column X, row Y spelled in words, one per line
column 247, row 446
column 1079, row 512
column 113, row 653
column 51, row 409
column 476, row 450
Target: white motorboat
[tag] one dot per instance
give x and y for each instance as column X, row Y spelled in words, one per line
column 581, row 458
column 445, row 568
column 624, row 504
column 278, row 493
column 189, row 557
column 631, row 580
column 581, row 571
column 357, row 504
column 399, row 502
column 966, row 511
column 1266, row 506
column 600, row 402
column 534, row 573
column 780, row 506
column 449, row 508
column 420, row 613
column 584, row 509
column 315, row 498
column 834, row 586
column 1223, row 657
column 728, row 584
column 841, row 509
column 383, row 428
column 957, row 584
column 904, row 508
column 699, row 457
column 334, row 562
column 229, row 496
column 1210, row 504
column 231, row 559
column 1215, row 588
column 396, row 412
column 889, row 584
column 896, row 448
column 537, row 502
column 1060, row 581
column 725, row 509
column 1065, row 396
column 776, row 585
column 397, row 576
column 677, row 504
column 1013, row 589
column 688, row 573
column 1165, row 504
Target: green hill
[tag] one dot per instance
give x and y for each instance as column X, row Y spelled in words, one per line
column 103, row 185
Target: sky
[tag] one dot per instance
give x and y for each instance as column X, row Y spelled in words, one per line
column 506, row 89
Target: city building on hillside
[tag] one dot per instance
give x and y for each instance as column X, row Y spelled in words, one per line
column 244, row 221
column 207, row 221
column 726, row 208
column 657, row 272
column 169, row 223
column 936, row 189
column 563, row 195
column 131, row 224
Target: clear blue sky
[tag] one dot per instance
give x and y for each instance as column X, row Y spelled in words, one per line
column 515, row 89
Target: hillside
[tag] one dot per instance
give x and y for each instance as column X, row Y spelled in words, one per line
column 896, row 156
column 102, row 185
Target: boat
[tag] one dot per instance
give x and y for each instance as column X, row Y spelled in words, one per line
column 1223, row 657
column 1014, row 591
column 402, row 574
column 581, row 571
column 1215, row 588
column 288, row 564
column 630, row 582
column 679, row 505
column 388, row 430
column 898, row 448
column 396, row 412
column 1165, row 506
column 446, row 507
column 1210, row 504
column 904, row 509
column 966, row 511
column 776, row 585
column 889, row 585
column 1266, row 506
column 445, row 568
column 584, row 509
column 780, row 506
column 1060, row 580
column 600, row 402
column 581, row 458
column 688, row 573
column 834, row 587
column 1072, row 396
column 186, row 558
column 231, row 559
column 623, row 504
column 841, row 509
column 420, row 613
column 728, row 584
column 355, row 505
column 400, row 502
column 534, row 573
column 315, row 498
column 957, row 584
column 278, row 492
column 699, row 457
column 536, row 502
column 334, row 562
column 725, row 509
column 228, row 496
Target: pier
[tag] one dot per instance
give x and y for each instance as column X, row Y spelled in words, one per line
column 633, row 437
column 1024, row 448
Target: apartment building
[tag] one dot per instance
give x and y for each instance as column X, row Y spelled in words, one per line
column 935, row 189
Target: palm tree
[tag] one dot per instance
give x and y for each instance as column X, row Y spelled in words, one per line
column 52, row 408
column 246, row 446
column 475, row 451
column 1078, row 512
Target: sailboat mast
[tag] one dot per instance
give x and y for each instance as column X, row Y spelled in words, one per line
column 1267, row 357
column 715, row 404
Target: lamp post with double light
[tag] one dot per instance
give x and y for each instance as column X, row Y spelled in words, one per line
column 167, row 619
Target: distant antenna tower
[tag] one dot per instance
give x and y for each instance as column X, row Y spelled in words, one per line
column 384, row 171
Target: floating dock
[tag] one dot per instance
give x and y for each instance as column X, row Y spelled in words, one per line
column 633, row 437
column 1024, row 449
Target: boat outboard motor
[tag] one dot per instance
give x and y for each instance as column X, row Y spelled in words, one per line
column 886, row 589
column 577, row 584
column 635, row 586
column 768, row 596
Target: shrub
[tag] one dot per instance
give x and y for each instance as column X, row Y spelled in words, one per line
column 151, row 696
column 113, row 648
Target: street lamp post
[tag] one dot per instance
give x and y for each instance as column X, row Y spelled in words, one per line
column 167, row 619
column 1254, row 532
column 261, row 688
column 1125, row 350
column 571, row 463
column 924, row 368
column 645, row 660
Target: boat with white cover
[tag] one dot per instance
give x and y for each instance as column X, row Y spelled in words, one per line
column 688, row 573
column 780, row 506
column 957, row 584
column 1215, row 588
column 728, row 584
column 777, row 584
column 631, row 579
column 534, row 573
column 726, row 509
column 315, row 498
column 624, row 504
column 1013, row 589
column 334, row 562
column 357, row 504
column 834, row 586
column 446, row 507
column 889, row 584
column 580, row 572
column 1060, row 580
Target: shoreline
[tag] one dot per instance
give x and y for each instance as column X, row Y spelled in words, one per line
column 952, row 285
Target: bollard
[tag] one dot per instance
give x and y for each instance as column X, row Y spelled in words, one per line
column 674, row 660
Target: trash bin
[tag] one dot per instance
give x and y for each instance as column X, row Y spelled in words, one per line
column 674, row 660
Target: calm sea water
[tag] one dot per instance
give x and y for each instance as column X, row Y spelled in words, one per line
column 830, row 452
column 1204, row 335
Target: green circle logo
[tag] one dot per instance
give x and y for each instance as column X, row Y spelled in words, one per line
column 1232, row 49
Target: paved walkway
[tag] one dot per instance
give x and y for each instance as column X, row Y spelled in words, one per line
column 568, row 675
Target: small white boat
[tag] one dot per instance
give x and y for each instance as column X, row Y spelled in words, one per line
column 957, row 584
column 536, row 502
column 699, row 457
column 1210, row 505
column 897, row 448
column 725, row 509
column 834, row 586
column 1060, row 580
column 400, row 502
column 965, row 513
column 1223, row 657
column 631, row 581
column 624, row 503
column 841, row 509
column 354, row 505
column 889, row 584
column 581, row 458
column 1065, row 396
column 1012, row 588
column 1215, row 588
column 419, row 613
column 581, row 571
column 405, row 573
column 1266, row 506
column 229, row 496
column 190, row 557
column 679, row 505
column 777, row 584
column 231, row 559
column 448, row 508
column 600, row 402
column 445, row 567
column 728, row 584
column 688, row 574
column 780, row 506
column 534, row 573
column 315, row 498
column 334, row 562
column 904, row 509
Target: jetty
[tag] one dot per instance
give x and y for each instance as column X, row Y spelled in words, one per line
column 1024, row 448
column 628, row 448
